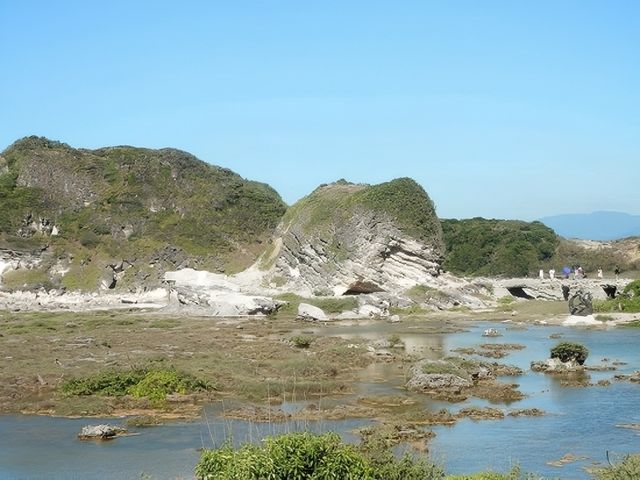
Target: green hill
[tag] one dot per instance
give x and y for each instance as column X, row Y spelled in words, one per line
column 479, row 246
column 131, row 203
column 402, row 200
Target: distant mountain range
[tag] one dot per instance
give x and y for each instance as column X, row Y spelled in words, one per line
column 595, row 226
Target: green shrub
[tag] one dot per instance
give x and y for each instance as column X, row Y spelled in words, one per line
column 628, row 469
column 506, row 300
column 292, row 456
column 309, row 456
column 110, row 383
column 89, row 239
column 157, row 384
column 327, row 304
column 335, row 304
column 302, row 341
column 139, row 382
column 567, row 351
column 632, row 289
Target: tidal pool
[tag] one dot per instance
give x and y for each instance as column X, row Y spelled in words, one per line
column 580, row 421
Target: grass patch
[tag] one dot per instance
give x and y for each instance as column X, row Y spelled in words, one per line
column 301, row 341
column 451, row 365
column 330, row 305
column 514, row 474
column 84, row 278
column 164, row 323
column 26, row 279
column 154, row 384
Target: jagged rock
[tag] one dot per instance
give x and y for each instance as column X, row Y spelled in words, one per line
column 491, row 332
column 101, row 432
column 224, row 303
column 107, row 279
column 360, row 287
column 370, row 311
column 555, row 365
column 437, row 381
column 311, row 312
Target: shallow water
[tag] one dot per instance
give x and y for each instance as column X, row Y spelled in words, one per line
column 581, row 421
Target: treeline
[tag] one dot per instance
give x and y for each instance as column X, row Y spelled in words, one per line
column 514, row 248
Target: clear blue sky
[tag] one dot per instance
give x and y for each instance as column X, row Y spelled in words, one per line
column 512, row 109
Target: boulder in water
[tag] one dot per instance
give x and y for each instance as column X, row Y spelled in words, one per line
column 101, row 432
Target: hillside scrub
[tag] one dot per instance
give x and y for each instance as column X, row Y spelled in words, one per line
column 133, row 201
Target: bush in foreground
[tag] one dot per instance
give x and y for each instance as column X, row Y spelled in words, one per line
column 628, row 469
column 308, row 456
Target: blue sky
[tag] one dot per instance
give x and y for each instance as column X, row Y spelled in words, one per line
column 499, row 109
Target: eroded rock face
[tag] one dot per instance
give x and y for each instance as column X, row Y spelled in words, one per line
column 334, row 243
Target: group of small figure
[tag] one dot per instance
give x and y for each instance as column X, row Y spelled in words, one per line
column 578, row 273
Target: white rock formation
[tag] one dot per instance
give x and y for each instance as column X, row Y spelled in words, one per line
column 366, row 248
column 311, row 312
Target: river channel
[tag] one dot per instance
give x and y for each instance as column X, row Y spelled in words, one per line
column 585, row 422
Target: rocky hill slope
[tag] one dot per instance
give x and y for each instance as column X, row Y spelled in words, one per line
column 351, row 238
column 80, row 218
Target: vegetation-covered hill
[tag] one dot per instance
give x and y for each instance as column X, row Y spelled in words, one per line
column 403, row 200
column 126, row 202
column 479, row 246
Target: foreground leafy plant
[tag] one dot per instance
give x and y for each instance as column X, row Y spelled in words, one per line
column 628, row 469
column 308, row 456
